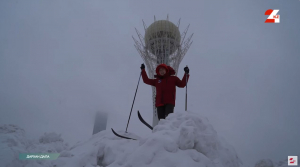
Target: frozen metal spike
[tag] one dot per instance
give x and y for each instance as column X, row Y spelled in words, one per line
column 144, row 24
column 140, row 37
column 189, row 39
column 186, row 49
column 184, row 34
column 178, row 24
column 136, row 42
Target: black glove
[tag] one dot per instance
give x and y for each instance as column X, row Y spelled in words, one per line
column 142, row 66
column 187, row 70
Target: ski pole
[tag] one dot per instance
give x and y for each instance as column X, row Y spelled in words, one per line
column 186, row 91
column 133, row 101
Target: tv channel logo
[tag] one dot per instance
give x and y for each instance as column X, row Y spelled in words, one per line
column 273, row 17
column 292, row 160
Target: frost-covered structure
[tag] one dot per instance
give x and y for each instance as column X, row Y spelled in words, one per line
column 162, row 43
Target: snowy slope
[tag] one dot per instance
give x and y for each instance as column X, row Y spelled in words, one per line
column 183, row 139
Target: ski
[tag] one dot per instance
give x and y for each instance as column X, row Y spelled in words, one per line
column 143, row 121
column 121, row 135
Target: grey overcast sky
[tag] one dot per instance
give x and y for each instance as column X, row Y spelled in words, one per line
column 61, row 61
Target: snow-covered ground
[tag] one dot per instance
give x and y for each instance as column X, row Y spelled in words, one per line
column 184, row 139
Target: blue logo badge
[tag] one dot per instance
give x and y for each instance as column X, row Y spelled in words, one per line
column 159, row 81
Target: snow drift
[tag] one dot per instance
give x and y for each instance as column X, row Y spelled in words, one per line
column 13, row 141
column 182, row 139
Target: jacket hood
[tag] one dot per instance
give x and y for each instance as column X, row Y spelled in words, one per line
column 170, row 71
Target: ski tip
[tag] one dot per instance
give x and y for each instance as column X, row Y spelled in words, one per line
column 139, row 114
column 143, row 121
column 121, row 135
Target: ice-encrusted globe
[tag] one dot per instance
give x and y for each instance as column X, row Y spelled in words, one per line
column 162, row 36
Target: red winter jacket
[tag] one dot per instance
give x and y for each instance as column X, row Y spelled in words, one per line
column 165, row 85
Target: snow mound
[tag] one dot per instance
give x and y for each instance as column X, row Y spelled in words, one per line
column 264, row 163
column 270, row 163
column 13, row 141
column 182, row 139
column 50, row 137
column 283, row 163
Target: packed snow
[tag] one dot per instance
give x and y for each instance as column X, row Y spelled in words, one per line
column 182, row 139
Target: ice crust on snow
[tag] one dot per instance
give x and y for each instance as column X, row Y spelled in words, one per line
column 182, row 139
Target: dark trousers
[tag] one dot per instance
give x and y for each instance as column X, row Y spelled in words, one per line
column 164, row 111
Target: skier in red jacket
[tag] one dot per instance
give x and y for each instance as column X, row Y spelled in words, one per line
column 165, row 85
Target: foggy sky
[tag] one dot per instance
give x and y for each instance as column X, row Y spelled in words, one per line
column 62, row 61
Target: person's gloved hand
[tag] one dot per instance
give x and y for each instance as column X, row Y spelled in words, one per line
column 142, row 66
column 186, row 70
